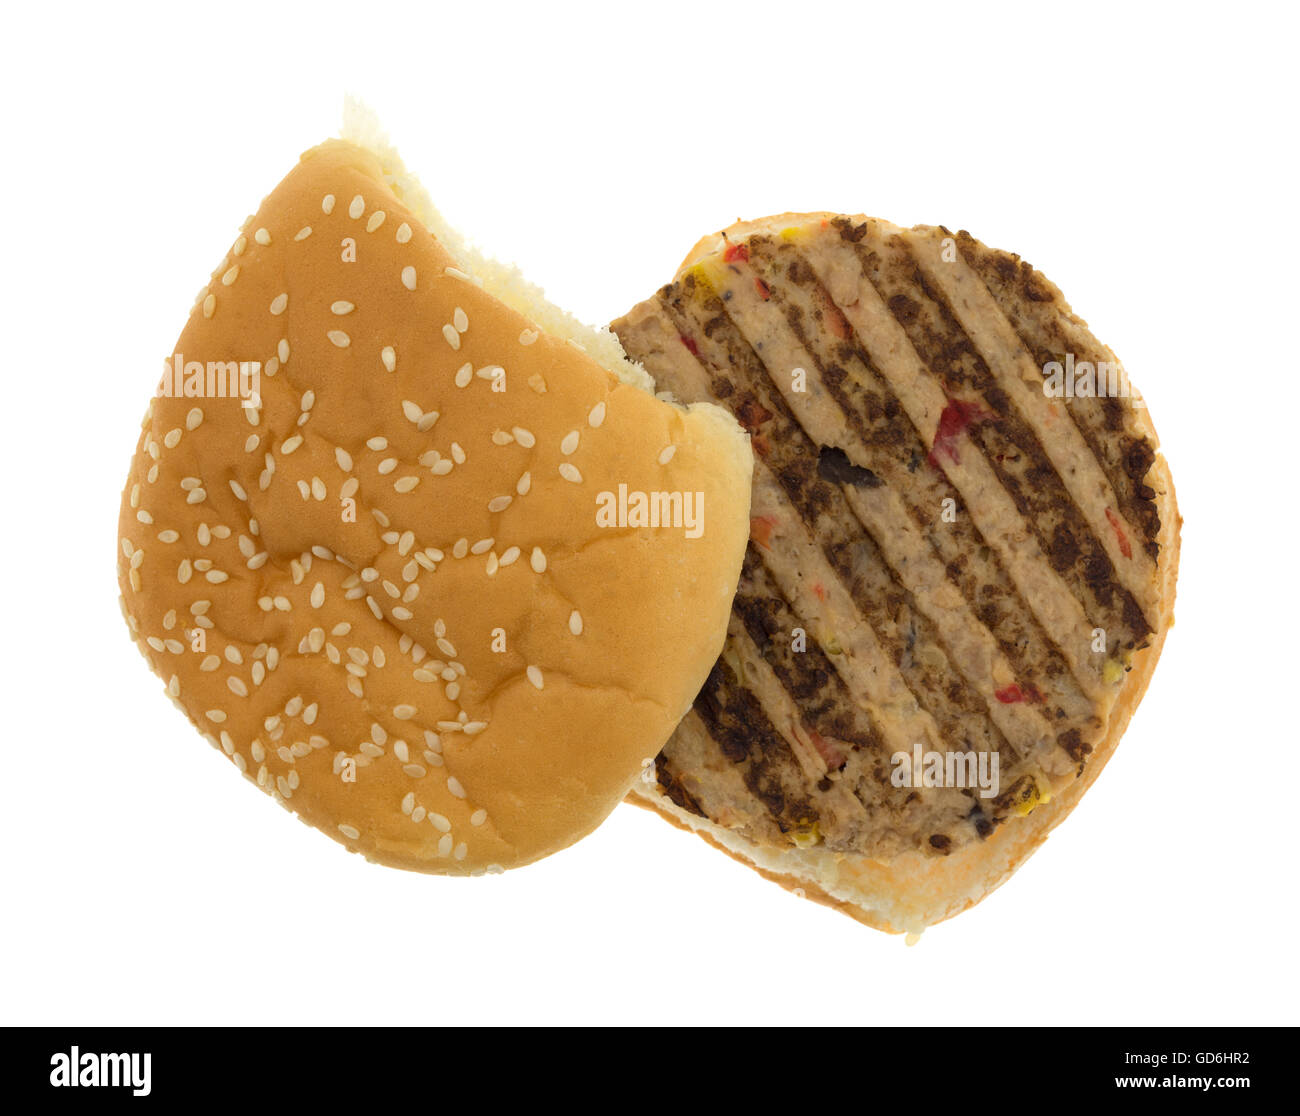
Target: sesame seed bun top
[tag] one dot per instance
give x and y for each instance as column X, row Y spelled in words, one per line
column 373, row 576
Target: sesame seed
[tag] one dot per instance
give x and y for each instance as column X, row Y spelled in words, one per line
column 510, row 556
column 262, row 237
column 357, row 207
column 575, row 622
column 279, row 303
column 343, row 458
column 465, row 372
column 377, row 443
column 499, row 503
column 282, row 350
column 534, row 676
column 376, row 219
column 408, row 802
column 480, row 547
column 524, row 483
column 457, row 454
column 478, row 817
column 408, row 277
column 455, row 273
column 193, row 418
column 209, row 305
column 528, row 336
column 237, row 686
column 460, row 548
column 404, row 712
column 232, row 273
column 341, row 339
column 596, row 415
column 318, row 489
column 351, row 832
column 308, row 400
column 327, row 204
column 341, row 307
column 406, row 484
column 453, row 338
column 570, row 473
column 537, row 560
column 444, row 845
column 460, row 320
column 389, row 357
column 569, row 442
column 523, row 437
column 290, row 444
column 303, row 233
column 453, row 785
column 666, row 454
column 461, row 851
column 426, row 421
column 403, row 233
column 239, row 246
column 473, row 728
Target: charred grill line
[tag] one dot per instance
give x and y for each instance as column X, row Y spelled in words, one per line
column 1007, row 276
column 815, row 687
column 1037, row 491
column 960, row 712
column 857, row 401
column 848, row 547
column 735, row 718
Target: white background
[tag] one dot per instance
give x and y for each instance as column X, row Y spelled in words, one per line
column 1142, row 155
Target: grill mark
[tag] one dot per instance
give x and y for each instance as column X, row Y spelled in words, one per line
column 808, row 676
column 971, row 566
column 696, row 759
column 1008, row 443
column 694, row 311
column 670, row 783
column 880, row 598
column 890, row 815
column 1043, row 334
column 1041, row 589
column 1004, row 360
column 1027, row 728
column 826, row 705
column 735, row 719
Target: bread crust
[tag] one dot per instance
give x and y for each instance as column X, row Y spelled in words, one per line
column 494, row 699
column 915, row 891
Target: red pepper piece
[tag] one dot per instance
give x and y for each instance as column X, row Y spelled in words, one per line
column 736, row 252
column 956, row 417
